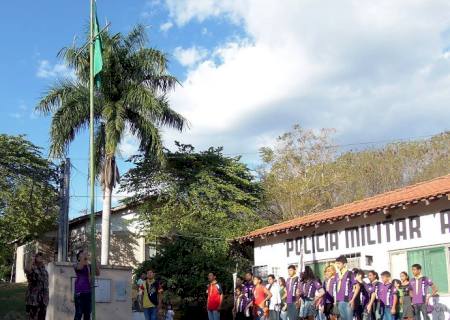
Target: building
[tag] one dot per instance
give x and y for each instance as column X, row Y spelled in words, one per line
column 127, row 248
column 390, row 231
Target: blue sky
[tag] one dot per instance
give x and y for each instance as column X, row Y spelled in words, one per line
column 249, row 69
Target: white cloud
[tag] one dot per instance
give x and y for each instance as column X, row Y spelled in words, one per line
column 190, row 56
column 48, row 71
column 166, row 26
column 369, row 69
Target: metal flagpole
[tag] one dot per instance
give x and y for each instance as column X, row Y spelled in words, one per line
column 91, row 157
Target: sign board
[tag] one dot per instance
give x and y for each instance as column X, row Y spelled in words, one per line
column 102, row 289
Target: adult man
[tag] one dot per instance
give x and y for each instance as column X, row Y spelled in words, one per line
column 215, row 297
column 347, row 289
column 291, row 289
column 37, row 291
column 419, row 287
column 275, row 299
column 387, row 295
column 83, row 286
column 151, row 296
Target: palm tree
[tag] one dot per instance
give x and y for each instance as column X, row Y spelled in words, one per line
column 132, row 96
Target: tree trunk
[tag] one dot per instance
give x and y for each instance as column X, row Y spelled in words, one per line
column 106, row 215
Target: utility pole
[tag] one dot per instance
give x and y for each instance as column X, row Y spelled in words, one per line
column 63, row 222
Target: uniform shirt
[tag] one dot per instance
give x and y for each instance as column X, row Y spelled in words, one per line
column 329, row 286
column 214, row 292
column 419, row 287
column 291, row 288
column 345, row 281
column 308, row 289
column 248, row 291
column 364, row 295
column 276, row 298
column 37, row 291
column 386, row 293
column 240, row 303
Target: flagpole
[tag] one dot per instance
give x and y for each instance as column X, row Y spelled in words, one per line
column 91, row 158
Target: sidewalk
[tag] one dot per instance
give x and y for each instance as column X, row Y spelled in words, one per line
column 138, row 316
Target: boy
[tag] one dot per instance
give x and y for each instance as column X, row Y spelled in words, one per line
column 291, row 289
column 215, row 297
column 83, row 285
column 419, row 287
column 152, row 296
column 247, row 290
column 387, row 295
column 347, row 289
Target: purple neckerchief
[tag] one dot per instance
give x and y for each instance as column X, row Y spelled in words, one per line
column 419, row 296
column 308, row 288
column 240, row 303
column 329, row 286
column 291, row 289
column 345, row 292
column 386, row 293
column 248, row 291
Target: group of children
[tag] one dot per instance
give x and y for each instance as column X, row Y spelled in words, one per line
column 344, row 294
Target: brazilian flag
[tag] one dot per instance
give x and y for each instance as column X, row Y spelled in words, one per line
column 98, row 59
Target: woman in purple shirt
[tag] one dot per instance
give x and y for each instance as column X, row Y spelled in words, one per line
column 83, row 284
column 307, row 289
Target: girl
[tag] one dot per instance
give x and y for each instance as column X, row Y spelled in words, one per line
column 260, row 295
column 307, row 292
column 399, row 310
column 240, row 303
column 329, row 286
column 283, row 295
column 408, row 312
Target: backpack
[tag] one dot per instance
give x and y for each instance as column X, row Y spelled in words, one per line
column 153, row 295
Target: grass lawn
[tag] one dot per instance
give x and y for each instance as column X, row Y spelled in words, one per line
column 12, row 301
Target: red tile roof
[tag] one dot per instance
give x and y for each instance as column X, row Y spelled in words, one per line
column 423, row 191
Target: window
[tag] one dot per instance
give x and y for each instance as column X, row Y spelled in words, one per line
column 369, row 260
column 261, row 271
column 150, row 251
column 434, row 264
column 276, row 271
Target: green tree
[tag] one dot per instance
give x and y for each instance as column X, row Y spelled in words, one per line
column 132, row 97
column 28, row 197
column 305, row 172
column 191, row 206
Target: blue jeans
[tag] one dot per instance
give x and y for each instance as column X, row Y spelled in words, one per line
column 150, row 313
column 345, row 311
column 82, row 306
column 292, row 312
column 386, row 313
column 213, row 315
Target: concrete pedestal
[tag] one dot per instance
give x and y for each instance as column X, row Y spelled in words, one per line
column 113, row 294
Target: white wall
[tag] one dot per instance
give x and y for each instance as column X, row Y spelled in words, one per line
column 272, row 251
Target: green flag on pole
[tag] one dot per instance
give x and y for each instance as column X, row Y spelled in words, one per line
column 98, row 60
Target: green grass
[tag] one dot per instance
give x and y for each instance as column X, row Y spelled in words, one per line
column 12, row 301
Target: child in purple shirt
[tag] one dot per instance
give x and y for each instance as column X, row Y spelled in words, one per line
column 329, row 285
column 346, row 289
column 387, row 296
column 247, row 290
column 419, row 287
column 362, row 299
column 307, row 292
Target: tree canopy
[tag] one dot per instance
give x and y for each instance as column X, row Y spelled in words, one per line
column 191, row 206
column 28, row 196
column 306, row 172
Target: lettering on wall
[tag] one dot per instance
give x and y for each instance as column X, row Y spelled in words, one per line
column 402, row 229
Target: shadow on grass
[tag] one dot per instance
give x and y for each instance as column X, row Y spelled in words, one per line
column 12, row 301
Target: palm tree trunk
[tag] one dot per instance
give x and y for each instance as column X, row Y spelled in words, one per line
column 106, row 215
